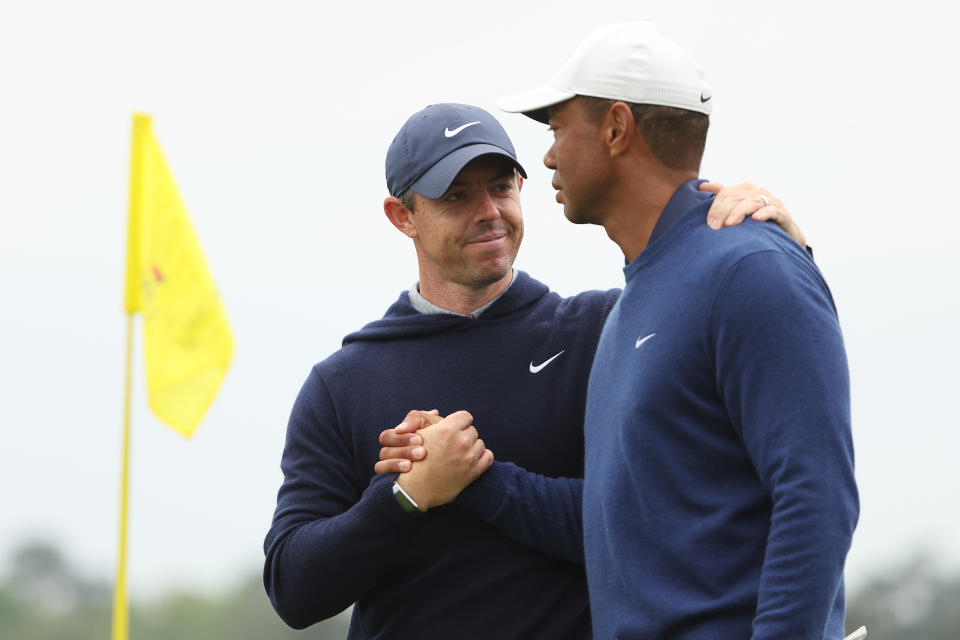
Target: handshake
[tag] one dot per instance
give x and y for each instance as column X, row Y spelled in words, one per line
column 457, row 456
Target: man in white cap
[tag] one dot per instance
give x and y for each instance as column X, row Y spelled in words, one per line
column 719, row 498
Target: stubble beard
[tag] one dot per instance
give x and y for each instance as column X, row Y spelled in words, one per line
column 478, row 276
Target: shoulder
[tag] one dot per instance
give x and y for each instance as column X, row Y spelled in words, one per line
column 356, row 346
column 544, row 304
column 752, row 246
column 713, row 256
column 589, row 305
column 767, row 275
column 733, row 243
column 754, row 262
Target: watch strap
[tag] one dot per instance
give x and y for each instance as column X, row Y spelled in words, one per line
column 405, row 501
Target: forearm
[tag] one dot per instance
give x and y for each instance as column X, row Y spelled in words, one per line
column 318, row 566
column 541, row 512
column 810, row 533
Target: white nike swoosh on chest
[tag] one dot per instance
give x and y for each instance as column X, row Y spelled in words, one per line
column 537, row 368
column 450, row 134
column 640, row 341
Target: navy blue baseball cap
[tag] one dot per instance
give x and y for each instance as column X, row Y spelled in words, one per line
column 436, row 143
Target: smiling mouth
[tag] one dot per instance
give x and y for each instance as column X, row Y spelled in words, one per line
column 488, row 238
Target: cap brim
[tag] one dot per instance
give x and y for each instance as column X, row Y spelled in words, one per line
column 435, row 182
column 534, row 103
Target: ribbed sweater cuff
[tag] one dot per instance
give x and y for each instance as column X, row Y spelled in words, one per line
column 379, row 504
column 485, row 494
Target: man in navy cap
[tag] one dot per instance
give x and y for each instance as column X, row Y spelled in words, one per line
column 472, row 333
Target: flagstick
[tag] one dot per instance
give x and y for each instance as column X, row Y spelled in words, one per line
column 120, row 615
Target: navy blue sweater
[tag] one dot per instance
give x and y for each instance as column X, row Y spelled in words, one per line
column 339, row 537
column 720, row 499
column 719, row 495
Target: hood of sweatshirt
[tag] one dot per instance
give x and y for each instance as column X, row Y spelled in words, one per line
column 403, row 321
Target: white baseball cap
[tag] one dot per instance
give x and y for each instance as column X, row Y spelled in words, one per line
column 631, row 62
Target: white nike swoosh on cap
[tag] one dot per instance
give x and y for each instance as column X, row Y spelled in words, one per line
column 640, row 341
column 450, row 134
column 539, row 367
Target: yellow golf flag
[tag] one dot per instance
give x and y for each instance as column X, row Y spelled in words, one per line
column 187, row 338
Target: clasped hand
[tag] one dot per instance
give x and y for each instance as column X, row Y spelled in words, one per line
column 457, row 456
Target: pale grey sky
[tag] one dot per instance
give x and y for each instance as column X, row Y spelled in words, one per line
column 275, row 118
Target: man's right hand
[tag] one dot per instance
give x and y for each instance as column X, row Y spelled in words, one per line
column 457, row 457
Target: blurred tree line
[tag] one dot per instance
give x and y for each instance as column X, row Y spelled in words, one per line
column 44, row 598
column 913, row 602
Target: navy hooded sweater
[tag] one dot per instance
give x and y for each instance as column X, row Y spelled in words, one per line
column 338, row 535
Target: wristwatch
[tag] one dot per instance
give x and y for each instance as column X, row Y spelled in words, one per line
column 405, row 501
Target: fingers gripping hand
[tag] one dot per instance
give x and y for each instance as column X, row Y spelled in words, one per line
column 402, row 444
column 416, row 420
column 457, row 457
column 777, row 212
column 733, row 204
column 398, row 459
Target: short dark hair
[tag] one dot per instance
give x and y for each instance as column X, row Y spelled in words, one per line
column 407, row 199
column 676, row 136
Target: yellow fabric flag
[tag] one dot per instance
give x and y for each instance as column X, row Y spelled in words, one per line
column 187, row 338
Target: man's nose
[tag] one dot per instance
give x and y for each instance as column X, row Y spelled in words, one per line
column 487, row 208
column 548, row 158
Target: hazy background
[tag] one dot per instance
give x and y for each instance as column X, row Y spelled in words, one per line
column 275, row 119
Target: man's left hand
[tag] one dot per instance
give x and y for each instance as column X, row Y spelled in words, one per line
column 735, row 203
column 402, row 444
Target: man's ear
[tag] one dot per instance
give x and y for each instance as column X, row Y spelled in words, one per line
column 400, row 216
column 619, row 128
